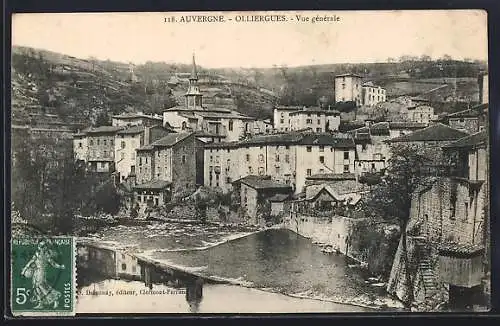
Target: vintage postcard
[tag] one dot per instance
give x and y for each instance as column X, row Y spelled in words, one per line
column 250, row 162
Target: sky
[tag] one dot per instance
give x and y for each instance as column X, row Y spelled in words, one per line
column 358, row 37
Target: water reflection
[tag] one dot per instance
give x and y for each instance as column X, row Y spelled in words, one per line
column 194, row 294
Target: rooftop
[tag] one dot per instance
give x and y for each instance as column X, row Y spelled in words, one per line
column 332, row 176
column 436, row 132
column 153, row 185
column 469, row 113
column 406, row 125
column 102, row 129
column 127, row 116
column 289, row 108
column 459, row 250
column 171, row 139
column 132, row 130
column 349, row 75
column 279, row 197
column 477, row 139
column 315, row 110
column 262, row 182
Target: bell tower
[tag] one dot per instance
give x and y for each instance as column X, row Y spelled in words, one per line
column 193, row 95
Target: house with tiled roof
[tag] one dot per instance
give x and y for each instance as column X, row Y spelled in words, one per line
column 176, row 158
column 136, row 118
column 288, row 158
column 429, row 140
column 449, row 223
column 470, row 120
column 255, row 190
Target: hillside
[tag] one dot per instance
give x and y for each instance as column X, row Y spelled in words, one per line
column 90, row 90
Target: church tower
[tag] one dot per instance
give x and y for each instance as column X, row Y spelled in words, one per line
column 193, row 95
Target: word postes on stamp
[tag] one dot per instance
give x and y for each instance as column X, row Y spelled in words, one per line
column 43, row 280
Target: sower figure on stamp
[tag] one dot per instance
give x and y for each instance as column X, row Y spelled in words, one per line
column 36, row 269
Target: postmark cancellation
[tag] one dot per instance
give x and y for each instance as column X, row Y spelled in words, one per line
column 43, row 276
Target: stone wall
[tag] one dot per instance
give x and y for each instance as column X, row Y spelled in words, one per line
column 334, row 232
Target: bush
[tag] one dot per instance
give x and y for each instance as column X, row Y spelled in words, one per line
column 369, row 239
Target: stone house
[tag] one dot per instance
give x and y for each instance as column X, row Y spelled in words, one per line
column 128, row 140
column 421, row 114
column 470, row 121
column 254, row 191
column 316, row 119
column 153, row 194
column 176, row 158
column 101, row 148
column 449, row 229
column 372, row 94
column 288, row 158
column 136, row 119
column 430, row 140
column 348, row 88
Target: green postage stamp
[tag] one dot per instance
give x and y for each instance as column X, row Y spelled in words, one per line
column 43, row 276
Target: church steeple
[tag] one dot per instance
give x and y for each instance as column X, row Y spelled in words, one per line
column 193, row 95
column 194, row 72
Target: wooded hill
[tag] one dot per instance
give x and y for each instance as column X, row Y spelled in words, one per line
column 90, row 90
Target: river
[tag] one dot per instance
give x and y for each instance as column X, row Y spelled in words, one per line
column 278, row 269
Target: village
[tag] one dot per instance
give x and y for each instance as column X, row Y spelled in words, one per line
column 312, row 172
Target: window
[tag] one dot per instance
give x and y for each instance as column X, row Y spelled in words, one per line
column 287, row 158
column 277, row 158
column 277, row 170
column 250, row 170
column 183, row 159
column 466, row 213
column 133, row 267
column 140, row 161
column 321, row 171
column 211, row 158
column 282, row 121
column 124, row 267
column 123, row 144
column 158, row 153
column 309, row 172
column 318, row 129
column 319, row 121
column 122, row 155
column 346, row 168
column 343, row 85
column 261, row 158
column 105, row 153
column 363, row 147
column 309, row 148
column 80, row 144
column 217, row 159
column 230, row 125
column 217, row 180
column 146, row 159
column 248, row 157
column 261, row 170
column 98, row 141
column 104, row 142
column 322, row 159
column 309, row 121
column 287, row 147
column 346, row 155
column 184, row 125
column 91, row 142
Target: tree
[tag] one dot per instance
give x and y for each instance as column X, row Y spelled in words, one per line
column 407, row 171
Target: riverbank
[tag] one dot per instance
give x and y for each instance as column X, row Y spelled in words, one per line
column 213, row 262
